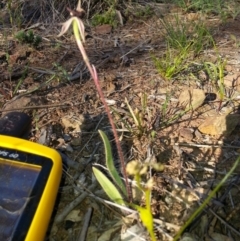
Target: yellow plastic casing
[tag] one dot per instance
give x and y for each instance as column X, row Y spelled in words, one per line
column 40, row 222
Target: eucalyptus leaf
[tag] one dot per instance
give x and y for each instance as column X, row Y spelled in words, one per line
column 110, row 164
column 108, row 187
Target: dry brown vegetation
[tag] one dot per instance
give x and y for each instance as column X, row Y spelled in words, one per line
column 190, row 116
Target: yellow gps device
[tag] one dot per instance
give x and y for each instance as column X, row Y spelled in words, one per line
column 30, row 175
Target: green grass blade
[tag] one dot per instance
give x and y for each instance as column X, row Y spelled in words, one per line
column 108, row 187
column 207, row 200
column 110, row 164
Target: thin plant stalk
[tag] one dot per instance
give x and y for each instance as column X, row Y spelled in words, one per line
column 94, row 75
column 78, row 30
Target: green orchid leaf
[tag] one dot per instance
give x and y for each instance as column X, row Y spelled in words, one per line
column 110, row 164
column 108, row 187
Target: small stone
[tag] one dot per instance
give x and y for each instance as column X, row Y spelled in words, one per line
column 219, row 125
column 74, row 216
column 103, row 29
column 198, row 134
column 67, row 137
column 186, row 133
column 192, row 99
column 231, row 80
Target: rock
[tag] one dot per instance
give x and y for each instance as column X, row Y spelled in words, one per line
column 192, row 99
column 231, row 80
column 186, row 133
column 219, row 125
column 17, row 103
column 74, row 216
column 198, row 134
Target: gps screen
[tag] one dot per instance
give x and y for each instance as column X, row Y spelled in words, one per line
column 17, row 180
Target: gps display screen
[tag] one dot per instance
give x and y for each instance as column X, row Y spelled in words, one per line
column 16, row 184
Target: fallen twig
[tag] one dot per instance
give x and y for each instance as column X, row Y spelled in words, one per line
column 60, row 217
column 86, row 220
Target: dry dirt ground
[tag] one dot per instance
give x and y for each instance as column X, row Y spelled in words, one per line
column 52, row 85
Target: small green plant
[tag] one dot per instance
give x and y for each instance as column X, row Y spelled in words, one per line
column 138, row 118
column 176, row 32
column 216, row 75
column 108, row 17
column 224, row 9
column 172, row 63
column 135, row 169
column 28, row 38
column 139, row 121
column 206, row 6
column 192, row 36
column 61, row 71
column 144, row 12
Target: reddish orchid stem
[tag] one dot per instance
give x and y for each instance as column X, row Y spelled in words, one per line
column 119, row 148
column 94, row 75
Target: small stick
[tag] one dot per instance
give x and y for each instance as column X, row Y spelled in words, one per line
column 60, row 217
column 37, row 107
column 205, row 145
column 83, row 232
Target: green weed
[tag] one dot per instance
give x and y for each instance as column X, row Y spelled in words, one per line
column 172, row 63
column 136, row 121
column 144, row 12
column 15, row 16
column 108, row 17
column 216, row 75
column 222, row 8
column 29, row 38
column 206, row 6
column 193, row 36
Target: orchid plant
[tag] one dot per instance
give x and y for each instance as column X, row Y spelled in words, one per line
column 79, row 33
